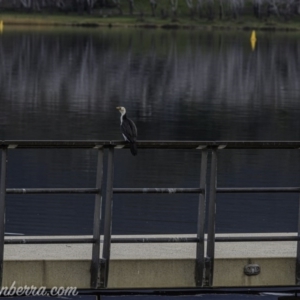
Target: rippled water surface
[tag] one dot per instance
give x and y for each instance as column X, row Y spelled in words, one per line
column 176, row 85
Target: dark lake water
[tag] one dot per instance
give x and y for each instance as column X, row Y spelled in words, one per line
column 176, row 85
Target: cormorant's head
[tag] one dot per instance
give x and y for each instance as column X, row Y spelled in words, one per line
column 122, row 110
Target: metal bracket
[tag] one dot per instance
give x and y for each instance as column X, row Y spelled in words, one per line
column 207, row 275
column 251, row 269
column 103, row 279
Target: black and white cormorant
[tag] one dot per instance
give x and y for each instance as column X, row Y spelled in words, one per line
column 128, row 129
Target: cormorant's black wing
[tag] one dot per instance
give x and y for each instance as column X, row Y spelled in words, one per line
column 129, row 130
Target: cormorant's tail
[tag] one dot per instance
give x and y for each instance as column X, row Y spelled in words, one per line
column 133, row 148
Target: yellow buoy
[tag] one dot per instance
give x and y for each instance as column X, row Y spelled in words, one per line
column 1, row 26
column 253, row 40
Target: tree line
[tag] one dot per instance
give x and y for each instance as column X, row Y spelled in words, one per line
column 210, row 9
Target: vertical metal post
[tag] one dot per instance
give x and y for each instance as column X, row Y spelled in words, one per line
column 2, row 209
column 209, row 269
column 107, row 219
column 298, row 250
column 200, row 261
column 98, row 297
column 95, row 266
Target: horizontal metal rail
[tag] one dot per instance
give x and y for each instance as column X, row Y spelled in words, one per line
column 217, row 239
column 259, row 190
column 152, row 190
column 257, row 238
column 53, row 191
column 12, row 144
column 155, row 240
column 158, row 190
column 11, row 241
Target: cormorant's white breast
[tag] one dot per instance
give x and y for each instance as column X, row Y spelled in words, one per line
column 128, row 129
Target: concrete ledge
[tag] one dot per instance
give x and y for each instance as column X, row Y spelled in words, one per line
column 149, row 265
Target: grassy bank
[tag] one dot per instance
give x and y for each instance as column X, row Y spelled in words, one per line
column 48, row 19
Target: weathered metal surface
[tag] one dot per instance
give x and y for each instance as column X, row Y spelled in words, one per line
column 2, row 209
column 26, row 240
column 158, row 190
column 200, row 260
column 107, row 219
column 259, row 190
column 257, row 239
column 211, row 221
column 151, row 190
column 53, row 191
column 15, row 144
column 95, row 265
column 12, row 241
column 154, row 240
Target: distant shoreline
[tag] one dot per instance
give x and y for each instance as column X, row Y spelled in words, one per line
column 48, row 19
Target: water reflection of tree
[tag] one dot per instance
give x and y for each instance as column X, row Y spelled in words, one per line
column 174, row 72
column 192, row 65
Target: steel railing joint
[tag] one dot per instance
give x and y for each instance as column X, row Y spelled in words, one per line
column 103, row 270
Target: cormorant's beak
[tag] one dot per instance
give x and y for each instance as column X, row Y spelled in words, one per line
column 118, row 107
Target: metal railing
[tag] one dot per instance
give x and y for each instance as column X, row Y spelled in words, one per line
column 100, row 264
